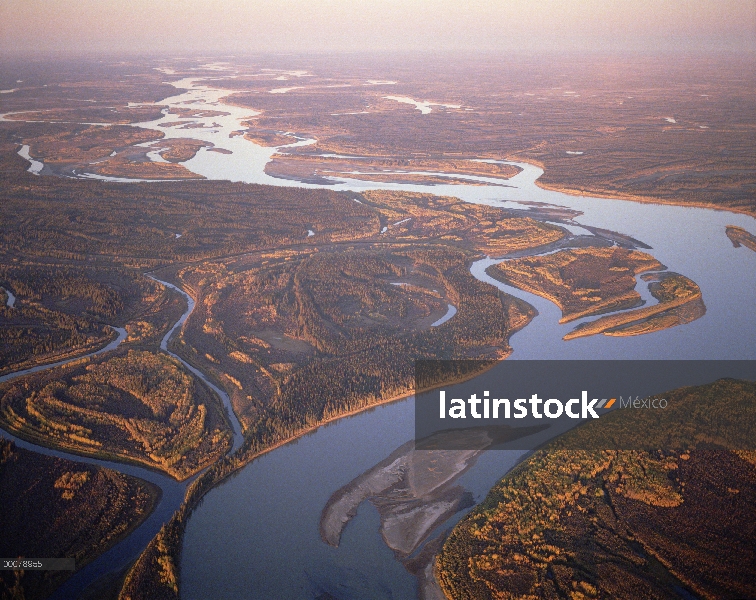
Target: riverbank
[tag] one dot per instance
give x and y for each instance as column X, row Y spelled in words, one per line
column 614, row 195
column 156, row 572
column 80, row 511
column 67, row 357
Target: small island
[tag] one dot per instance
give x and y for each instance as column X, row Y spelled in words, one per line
column 679, row 299
column 740, row 237
column 583, row 281
column 587, row 282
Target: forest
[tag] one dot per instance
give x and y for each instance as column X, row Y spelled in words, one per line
column 302, row 340
column 311, row 304
column 64, row 309
column 56, row 507
column 669, row 517
column 298, row 329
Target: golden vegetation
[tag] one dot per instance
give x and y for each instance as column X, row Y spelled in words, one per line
column 139, row 406
column 590, row 281
column 483, row 228
column 122, row 167
column 680, row 302
column 82, row 144
column 740, row 237
column 571, row 523
column 582, row 282
column 304, row 166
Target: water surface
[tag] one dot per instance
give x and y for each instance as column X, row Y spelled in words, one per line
column 257, row 534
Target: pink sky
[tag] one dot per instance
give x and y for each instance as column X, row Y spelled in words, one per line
column 192, row 26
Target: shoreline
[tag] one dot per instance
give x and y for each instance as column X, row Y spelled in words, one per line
column 60, row 360
column 609, row 195
column 351, row 413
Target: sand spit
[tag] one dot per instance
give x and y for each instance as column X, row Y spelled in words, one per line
column 740, row 237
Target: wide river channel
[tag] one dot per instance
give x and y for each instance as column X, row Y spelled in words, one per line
column 257, row 534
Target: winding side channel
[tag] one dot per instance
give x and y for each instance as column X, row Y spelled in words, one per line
column 256, row 535
column 172, row 491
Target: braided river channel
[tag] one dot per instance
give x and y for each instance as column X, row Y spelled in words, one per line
column 259, row 534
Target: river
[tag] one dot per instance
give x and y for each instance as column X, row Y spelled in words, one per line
column 172, row 491
column 256, row 535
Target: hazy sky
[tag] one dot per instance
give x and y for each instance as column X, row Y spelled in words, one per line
column 239, row 26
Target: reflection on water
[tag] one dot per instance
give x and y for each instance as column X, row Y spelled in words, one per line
column 414, row 492
column 260, row 535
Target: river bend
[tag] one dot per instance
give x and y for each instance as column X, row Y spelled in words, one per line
column 256, row 534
